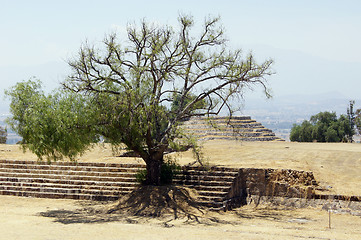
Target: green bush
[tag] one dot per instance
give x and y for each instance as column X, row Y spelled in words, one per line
column 169, row 169
column 141, row 175
column 323, row 127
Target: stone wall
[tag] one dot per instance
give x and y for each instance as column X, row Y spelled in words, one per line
column 251, row 184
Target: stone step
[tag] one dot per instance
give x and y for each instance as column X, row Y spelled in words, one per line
column 240, row 135
column 194, row 183
column 94, row 181
column 13, row 165
column 222, row 189
column 219, row 120
column 68, row 177
column 119, row 188
column 209, row 173
column 62, row 190
column 217, row 206
column 230, row 134
column 210, row 169
column 59, row 195
column 202, row 121
column 211, row 199
column 227, row 179
column 212, row 193
column 221, row 127
column 113, row 192
column 231, row 131
column 69, row 163
column 66, row 172
column 190, row 170
column 248, row 139
column 67, row 181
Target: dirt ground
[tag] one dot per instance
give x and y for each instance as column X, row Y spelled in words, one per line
column 23, row 218
column 336, row 166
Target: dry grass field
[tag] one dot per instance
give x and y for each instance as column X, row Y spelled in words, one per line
column 336, row 166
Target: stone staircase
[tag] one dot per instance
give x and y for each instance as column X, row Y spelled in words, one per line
column 102, row 181
column 67, row 180
column 219, row 188
column 241, row 128
column 213, row 185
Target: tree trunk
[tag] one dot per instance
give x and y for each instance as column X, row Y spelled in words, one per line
column 153, row 172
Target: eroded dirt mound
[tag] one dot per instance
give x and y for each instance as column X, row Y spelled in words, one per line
column 159, row 201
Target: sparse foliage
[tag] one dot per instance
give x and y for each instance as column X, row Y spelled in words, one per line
column 351, row 118
column 358, row 120
column 136, row 92
column 3, row 135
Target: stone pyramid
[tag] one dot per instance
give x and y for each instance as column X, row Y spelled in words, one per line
column 236, row 128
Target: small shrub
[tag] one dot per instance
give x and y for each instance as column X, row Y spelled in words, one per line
column 169, row 169
column 141, row 176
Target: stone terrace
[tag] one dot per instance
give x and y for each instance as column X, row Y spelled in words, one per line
column 102, row 181
column 240, row 128
column 218, row 187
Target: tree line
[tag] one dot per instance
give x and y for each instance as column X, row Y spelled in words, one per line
column 327, row 127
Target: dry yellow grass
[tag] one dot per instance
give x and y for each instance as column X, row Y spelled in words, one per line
column 337, row 165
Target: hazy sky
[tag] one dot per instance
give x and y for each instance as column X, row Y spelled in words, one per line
column 316, row 44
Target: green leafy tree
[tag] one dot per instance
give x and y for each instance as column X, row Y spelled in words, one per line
column 124, row 90
column 345, row 129
column 322, row 122
column 322, row 127
column 53, row 125
column 302, row 133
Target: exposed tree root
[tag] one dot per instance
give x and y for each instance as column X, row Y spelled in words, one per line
column 160, row 201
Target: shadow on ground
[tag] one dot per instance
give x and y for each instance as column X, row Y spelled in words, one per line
column 264, row 213
column 83, row 216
